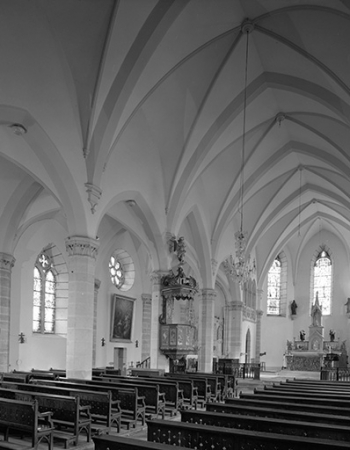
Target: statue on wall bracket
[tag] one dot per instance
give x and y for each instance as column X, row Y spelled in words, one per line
column 293, row 308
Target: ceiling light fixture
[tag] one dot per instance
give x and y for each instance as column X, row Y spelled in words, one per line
column 18, row 129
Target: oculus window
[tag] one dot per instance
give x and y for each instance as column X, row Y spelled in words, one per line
column 121, row 270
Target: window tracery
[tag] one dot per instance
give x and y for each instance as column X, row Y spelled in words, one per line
column 274, row 288
column 44, row 295
column 322, row 281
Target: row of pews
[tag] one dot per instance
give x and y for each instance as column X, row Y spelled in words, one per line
column 66, row 408
column 296, row 414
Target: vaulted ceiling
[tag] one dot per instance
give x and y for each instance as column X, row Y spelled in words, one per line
column 143, row 100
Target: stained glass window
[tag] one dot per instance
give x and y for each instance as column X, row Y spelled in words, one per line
column 323, row 281
column 274, row 288
column 44, row 296
column 116, row 271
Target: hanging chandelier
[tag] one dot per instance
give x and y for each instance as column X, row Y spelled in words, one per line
column 241, row 268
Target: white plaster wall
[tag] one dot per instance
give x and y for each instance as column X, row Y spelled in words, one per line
column 105, row 355
column 38, row 351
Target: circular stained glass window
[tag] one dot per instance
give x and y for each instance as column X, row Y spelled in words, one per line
column 121, row 270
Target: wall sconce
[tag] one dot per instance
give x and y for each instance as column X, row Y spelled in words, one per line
column 136, row 344
column 21, row 338
column 103, row 342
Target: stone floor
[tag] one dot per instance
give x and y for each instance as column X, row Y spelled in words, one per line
column 243, row 385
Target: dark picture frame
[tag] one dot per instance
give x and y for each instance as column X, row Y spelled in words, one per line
column 122, row 314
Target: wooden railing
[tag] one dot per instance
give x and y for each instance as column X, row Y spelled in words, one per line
column 145, row 364
column 240, row 370
column 335, row 374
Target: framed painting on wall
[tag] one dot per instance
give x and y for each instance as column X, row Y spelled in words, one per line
column 122, row 311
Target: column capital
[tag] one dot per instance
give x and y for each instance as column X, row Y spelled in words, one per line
column 7, row 261
column 146, row 297
column 235, row 306
column 208, row 293
column 82, row 246
column 259, row 313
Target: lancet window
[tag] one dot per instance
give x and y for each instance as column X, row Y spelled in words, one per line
column 44, row 295
column 274, row 288
column 322, row 281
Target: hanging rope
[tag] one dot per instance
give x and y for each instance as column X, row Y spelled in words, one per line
column 300, row 169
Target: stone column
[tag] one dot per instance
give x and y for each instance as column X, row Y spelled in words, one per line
column 258, row 336
column 206, row 340
column 156, row 312
column 82, row 252
column 146, row 326
column 94, row 348
column 6, row 263
column 260, row 293
column 233, row 323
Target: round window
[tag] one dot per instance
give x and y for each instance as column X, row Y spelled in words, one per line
column 121, row 270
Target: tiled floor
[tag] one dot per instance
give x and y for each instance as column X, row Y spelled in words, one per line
column 247, row 385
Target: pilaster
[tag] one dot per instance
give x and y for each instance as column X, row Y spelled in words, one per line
column 206, row 337
column 233, row 322
column 97, row 285
column 146, row 325
column 156, row 310
column 82, row 252
column 6, row 263
column 259, row 315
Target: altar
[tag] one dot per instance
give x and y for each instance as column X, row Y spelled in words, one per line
column 315, row 352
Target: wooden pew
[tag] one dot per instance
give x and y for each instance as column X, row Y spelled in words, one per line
column 266, row 424
column 336, row 385
column 189, row 391
column 24, row 416
column 309, row 391
column 237, row 407
column 126, row 443
column 132, row 405
column 68, row 416
column 173, row 395
column 226, row 383
column 201, row 383
column 302, row 398
column 153, row 397
column 40, row 374
column 323, row 382
column 105, row 413
column 15, row 377
column 291, row 405
column 217, row 438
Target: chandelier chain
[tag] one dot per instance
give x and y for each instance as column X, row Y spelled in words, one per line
column 244, row 126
